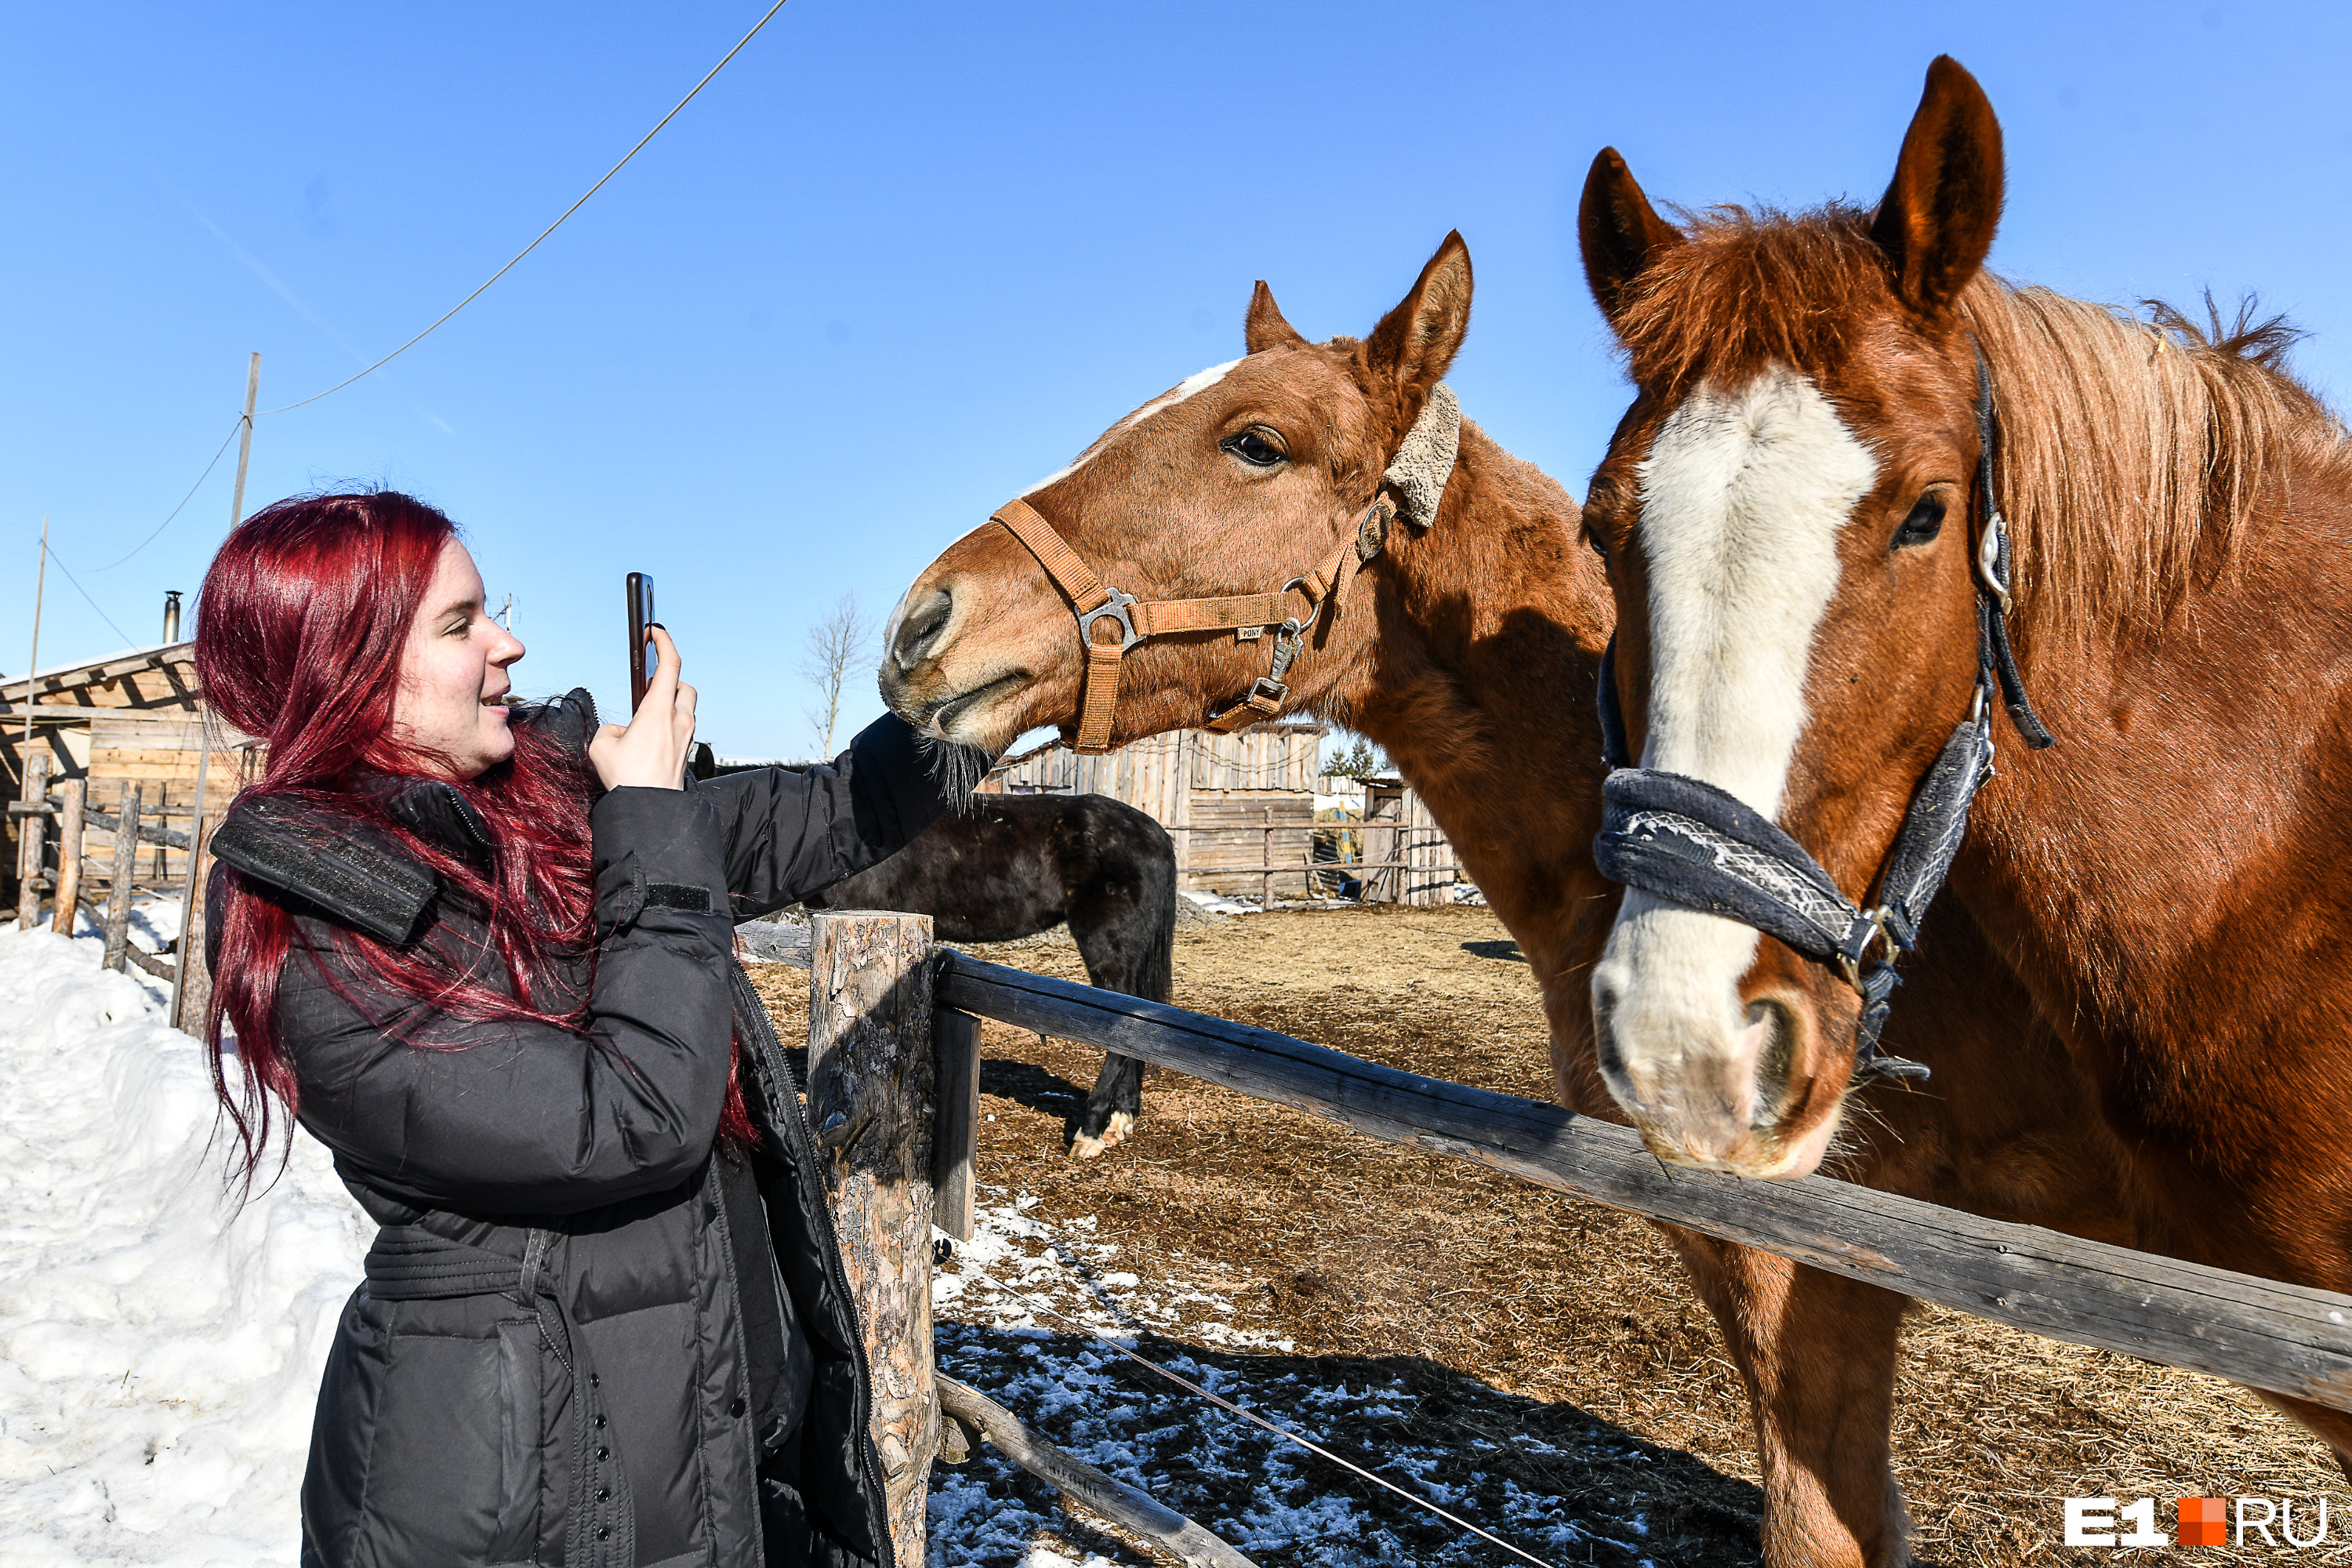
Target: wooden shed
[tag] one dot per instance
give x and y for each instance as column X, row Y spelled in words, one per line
column 1238, row 804
column 132, row 717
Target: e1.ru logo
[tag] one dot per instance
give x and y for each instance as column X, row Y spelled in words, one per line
column 2202, row 1521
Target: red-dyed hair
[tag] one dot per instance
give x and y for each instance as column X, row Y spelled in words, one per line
column 301, row 629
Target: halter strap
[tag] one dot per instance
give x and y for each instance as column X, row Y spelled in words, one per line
column 1418, row 471
column 1684, row 840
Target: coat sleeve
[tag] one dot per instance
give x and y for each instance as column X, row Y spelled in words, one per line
column 790, row 832
column 519, row 1118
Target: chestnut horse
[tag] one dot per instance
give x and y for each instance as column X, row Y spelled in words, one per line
column 1799, row 541
column 1467, row 647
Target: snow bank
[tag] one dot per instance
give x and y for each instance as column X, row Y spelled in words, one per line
column 158, row 1358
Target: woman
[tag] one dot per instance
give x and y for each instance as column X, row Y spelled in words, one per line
column 484, row 952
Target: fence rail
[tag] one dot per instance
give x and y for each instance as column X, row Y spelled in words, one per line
column 2284, row 1338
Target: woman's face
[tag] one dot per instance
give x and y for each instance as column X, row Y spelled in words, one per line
column 453, row 673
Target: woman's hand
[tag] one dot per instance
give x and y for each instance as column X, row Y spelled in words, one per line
column 651, row 753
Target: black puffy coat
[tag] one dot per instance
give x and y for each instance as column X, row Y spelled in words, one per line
column 584, row 1338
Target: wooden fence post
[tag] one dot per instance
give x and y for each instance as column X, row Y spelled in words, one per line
column 192, row 977
column 956, row 1037
column 75, row 792
column 32, row 830
column 871, row 1094
column 126, row 864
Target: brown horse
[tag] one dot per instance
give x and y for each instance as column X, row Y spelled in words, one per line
column 1468, row 648
column 1799, row 543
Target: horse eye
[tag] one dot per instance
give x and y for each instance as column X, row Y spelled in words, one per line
column 1253, row 449
column 1926, row 520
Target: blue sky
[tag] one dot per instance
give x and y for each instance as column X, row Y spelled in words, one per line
column 900, row 260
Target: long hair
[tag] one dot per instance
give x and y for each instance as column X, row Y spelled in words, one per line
column 300, row 629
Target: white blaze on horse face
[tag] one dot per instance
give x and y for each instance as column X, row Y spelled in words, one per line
column 1742, row 498
column 1200, row 381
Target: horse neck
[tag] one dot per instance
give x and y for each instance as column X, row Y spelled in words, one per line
column 2177, row 816
column 1471, row 663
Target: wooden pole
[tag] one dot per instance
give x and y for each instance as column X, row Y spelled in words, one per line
column 870, row 1075
column 245, row 440
column 75, row 792
column 32, row 828
column 126, row 866
column 40, row 585
column 190, row 980
column 1127, row 1507
column 956, row 1036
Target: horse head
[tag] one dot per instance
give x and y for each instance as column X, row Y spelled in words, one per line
column 1210, row 537
column 1790, row 512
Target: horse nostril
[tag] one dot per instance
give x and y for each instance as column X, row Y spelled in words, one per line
column 1776, row 1060
column 921, row 626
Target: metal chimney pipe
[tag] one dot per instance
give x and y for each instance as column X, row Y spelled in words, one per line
column 171, row 615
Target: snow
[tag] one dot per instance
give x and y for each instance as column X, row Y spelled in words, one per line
column 158, row 1357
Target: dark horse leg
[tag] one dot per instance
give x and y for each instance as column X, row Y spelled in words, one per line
column 1125, row 927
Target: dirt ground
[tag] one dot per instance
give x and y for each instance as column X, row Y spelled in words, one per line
column 1556, row 1335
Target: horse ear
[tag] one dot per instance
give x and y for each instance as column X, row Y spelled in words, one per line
column 1937, row 221
column 1620, row 232
column 1263, row 328
column 1417, row 342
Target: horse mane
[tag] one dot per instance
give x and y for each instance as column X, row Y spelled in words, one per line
column 2131, row 447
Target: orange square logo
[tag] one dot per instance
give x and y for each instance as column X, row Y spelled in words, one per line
column 2204, row 1521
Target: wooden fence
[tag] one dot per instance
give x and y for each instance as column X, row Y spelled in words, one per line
column 134, row 828
column 2284, row 1338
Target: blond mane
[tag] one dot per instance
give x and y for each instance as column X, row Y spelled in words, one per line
column 2131, row 450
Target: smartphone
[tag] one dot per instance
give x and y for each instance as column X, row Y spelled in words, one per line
column 642, row 659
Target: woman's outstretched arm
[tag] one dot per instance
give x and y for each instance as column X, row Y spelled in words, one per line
column 792, row 831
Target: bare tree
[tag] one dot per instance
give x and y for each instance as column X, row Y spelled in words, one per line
column 838, row 647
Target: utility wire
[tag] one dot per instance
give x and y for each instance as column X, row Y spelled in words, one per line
column 128, row 640
column 1037, row 1306
column 551, row 228
column 177, row 509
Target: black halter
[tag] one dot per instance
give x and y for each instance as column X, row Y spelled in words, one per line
column 1689, row 843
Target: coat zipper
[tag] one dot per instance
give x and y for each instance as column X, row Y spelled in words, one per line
column 879, row 1513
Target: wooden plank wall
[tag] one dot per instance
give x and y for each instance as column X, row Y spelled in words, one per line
column 1229, row 840
column 1429, row 877
column 1216, row 794
column 148, row 687
column 162, row 754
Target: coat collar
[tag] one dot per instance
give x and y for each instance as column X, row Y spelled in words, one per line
column 437, row 810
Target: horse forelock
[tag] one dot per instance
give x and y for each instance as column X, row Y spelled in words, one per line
column 2129, row 449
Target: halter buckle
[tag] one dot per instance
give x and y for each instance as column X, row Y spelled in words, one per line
column 1991, row 547
column 1850, row 962
column 1119, row 607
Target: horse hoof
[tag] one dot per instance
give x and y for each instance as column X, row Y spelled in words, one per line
column 1091, row 1146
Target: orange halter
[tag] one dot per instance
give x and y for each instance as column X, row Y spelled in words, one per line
column 1131, row 620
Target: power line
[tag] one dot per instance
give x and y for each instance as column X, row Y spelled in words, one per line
column 551, row 228
column 128, row 640
column 177, row 509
